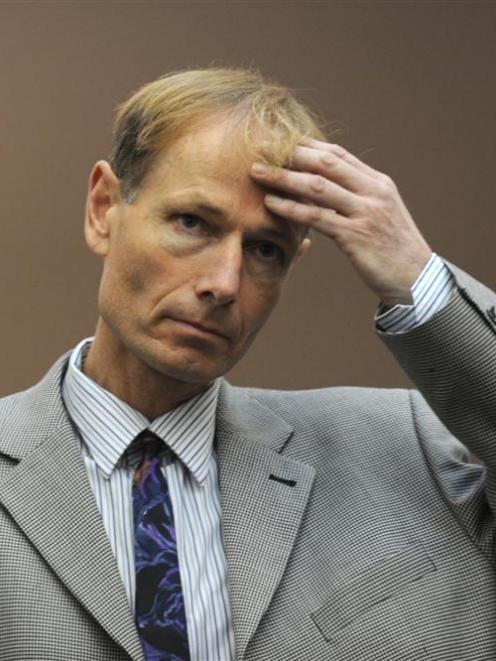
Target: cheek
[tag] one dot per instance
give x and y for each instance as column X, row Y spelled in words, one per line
column 123, row 277
column 140, row 267
column 127, row 281
column 258, row 303
column 136, row 277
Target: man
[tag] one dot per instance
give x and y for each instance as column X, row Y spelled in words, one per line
column 149, row 510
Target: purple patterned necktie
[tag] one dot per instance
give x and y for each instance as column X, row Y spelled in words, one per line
column 160, row 615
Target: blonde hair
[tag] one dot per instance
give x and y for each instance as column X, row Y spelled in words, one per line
column 161, row 110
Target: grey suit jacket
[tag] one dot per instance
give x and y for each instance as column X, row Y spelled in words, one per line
column 355, row 526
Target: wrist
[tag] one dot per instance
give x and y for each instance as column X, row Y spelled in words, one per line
column 405, row 280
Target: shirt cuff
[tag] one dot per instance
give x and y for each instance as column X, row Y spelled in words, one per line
column 431, row 291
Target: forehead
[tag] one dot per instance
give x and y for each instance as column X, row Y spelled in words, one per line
column 212, row 151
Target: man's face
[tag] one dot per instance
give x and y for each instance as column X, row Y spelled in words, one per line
column 194, row 266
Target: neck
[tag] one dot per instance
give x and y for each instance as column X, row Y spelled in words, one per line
column 114, row 367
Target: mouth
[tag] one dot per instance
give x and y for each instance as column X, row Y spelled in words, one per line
column 199, row 329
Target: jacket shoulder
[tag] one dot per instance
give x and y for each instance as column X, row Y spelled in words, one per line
column 355, row 402
column 28, row 415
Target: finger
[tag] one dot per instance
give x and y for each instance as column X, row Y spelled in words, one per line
column 325, row 221
column 342, row 153
column 313, row 187
column 331, row 166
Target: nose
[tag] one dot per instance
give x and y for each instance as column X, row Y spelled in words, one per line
column 220, row 279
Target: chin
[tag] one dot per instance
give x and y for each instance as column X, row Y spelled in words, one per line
column 188, row 366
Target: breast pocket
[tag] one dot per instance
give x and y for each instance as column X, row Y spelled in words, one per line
column 353, row 602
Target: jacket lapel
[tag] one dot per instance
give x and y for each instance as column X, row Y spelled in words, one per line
column 49, row 496
column 263, row 498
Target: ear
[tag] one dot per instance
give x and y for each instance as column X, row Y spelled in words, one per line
column 303, row 248
column 102, row 201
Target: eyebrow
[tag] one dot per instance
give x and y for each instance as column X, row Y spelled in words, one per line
column 269, row 230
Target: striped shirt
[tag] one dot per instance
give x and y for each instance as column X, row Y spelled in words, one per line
column 107, row 427
column 430, row 293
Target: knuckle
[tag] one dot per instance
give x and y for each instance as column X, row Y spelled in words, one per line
column 373, row 207
column 382, row 190
column 318, row 183
column 328, row 159
column 385, row 185
column 314, row 215
column 339, row 151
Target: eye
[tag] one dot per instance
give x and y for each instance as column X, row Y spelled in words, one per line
column 190, row 222
column 269, row 251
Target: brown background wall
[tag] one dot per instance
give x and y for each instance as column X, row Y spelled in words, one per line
column 410, row 86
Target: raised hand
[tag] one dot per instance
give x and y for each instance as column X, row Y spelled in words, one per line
column 359, row 208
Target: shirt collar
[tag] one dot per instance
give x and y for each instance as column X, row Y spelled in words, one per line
column 108, row 425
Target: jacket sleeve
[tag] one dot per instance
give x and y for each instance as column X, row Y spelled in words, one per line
column 452, row 361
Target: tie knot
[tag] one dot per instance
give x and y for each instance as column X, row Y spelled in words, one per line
column 148, row 444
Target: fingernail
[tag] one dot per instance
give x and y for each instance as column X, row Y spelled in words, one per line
column 273, row 199
column 259, row 168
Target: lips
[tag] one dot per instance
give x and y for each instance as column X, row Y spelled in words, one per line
column 205, row 328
